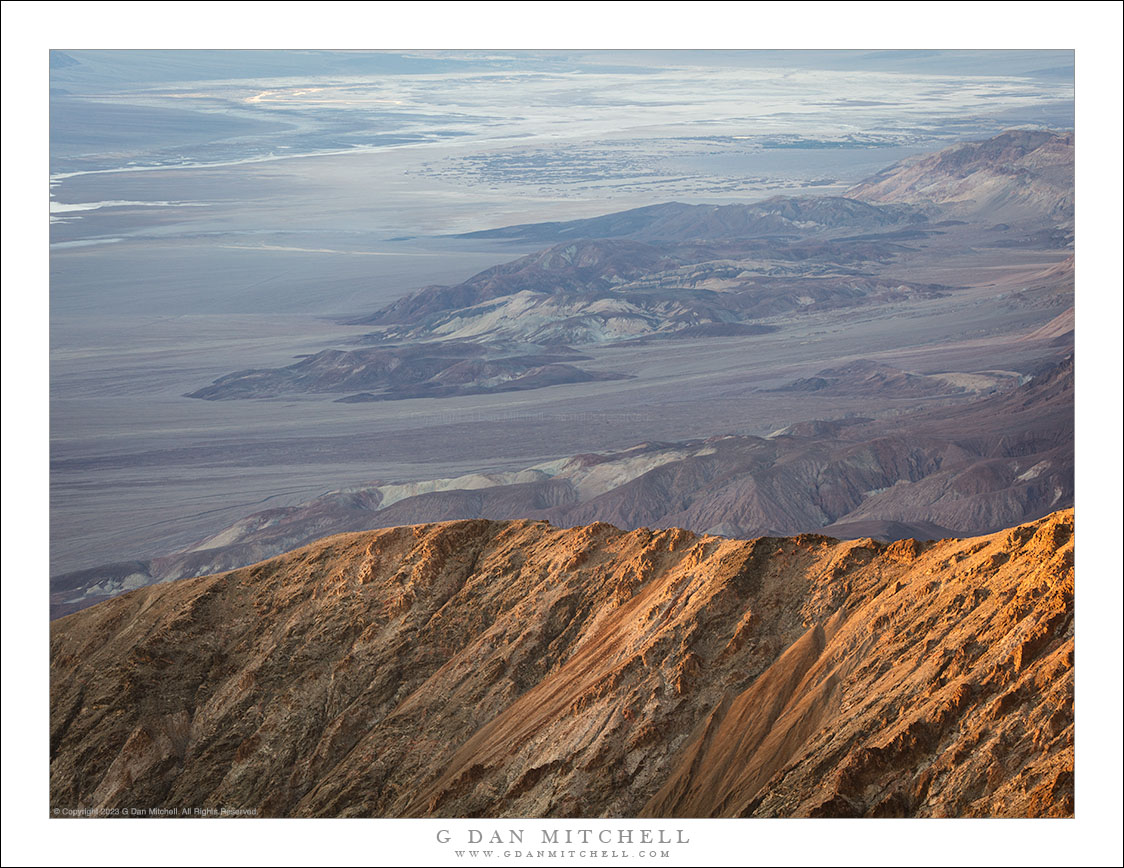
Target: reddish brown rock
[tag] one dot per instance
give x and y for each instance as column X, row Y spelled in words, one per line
column 483, row 668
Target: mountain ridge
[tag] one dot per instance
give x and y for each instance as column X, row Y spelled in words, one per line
column 676, row 270
column 482, row 668
column 777, row 216
column 968, row 468
column 1017, row 174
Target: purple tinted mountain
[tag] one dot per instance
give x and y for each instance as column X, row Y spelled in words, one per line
column 695, row 270
column 864, row 377
column 601, row 291
column 968, row 468
column 781, row 217
column 1018, row 175
column 509, row 327
column 585, row 267
column 513, row 669
column 433, row 370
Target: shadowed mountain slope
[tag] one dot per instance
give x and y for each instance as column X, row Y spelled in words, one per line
column 437, row 370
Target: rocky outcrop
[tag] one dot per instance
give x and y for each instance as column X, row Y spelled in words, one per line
column 485, row 668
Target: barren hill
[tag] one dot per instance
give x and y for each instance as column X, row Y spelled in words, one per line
column 1016, row 174
column 485, row 668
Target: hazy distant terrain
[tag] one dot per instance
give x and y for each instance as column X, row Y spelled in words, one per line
column 229, row 253
column 1001, row 454
column 931, row 439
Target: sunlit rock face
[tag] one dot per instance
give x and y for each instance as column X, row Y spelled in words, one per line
column 482, row 668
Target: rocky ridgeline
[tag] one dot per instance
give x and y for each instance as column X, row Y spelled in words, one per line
column 482, row 668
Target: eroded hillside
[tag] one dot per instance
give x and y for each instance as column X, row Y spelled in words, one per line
column 482, row 668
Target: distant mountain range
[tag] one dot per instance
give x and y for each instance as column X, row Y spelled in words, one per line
column 972, row 467
column 602, row 291
column 999, row 452
column 778, row 217
column 498, row 329
column 675, row 270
